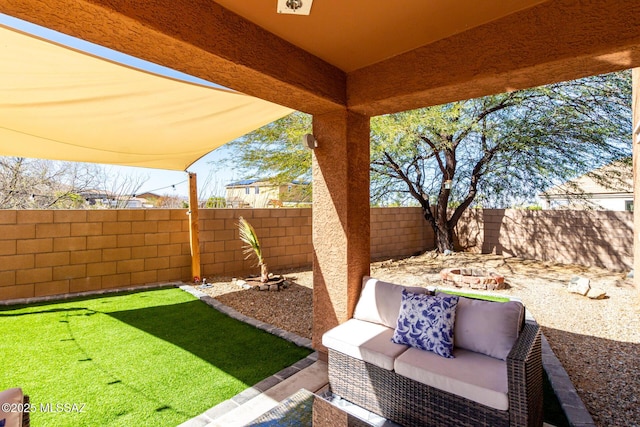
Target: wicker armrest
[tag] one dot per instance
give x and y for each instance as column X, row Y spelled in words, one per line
column 524, row 370
column 26, row 419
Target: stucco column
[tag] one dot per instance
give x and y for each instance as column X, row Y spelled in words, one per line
column 635, row 106
column 341, row 217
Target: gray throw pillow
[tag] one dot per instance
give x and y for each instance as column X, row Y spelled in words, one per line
column 380, row 301
column 488, row 327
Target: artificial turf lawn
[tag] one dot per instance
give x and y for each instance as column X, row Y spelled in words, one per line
column 154, row 358
column 476, row 296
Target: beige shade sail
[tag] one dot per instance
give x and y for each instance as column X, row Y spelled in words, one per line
column 61, row 104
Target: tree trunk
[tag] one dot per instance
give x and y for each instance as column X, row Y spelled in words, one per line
column 444, row 238
column 442, row 230
column 264, row 273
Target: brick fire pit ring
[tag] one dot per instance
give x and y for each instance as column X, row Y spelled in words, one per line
column 472, row 278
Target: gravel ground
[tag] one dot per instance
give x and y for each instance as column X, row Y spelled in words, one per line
column 597, row 341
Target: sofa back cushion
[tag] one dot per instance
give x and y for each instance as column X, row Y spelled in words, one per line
column 380, row 301
column 487, row 327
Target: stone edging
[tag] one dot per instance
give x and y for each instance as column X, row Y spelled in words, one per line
column 63, row 297
column 572, row 406
column 247, row 394
column 289, row 336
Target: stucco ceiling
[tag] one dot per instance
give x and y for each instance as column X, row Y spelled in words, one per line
column 355, row 33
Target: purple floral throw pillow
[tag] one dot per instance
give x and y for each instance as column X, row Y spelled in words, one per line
column 426, row 322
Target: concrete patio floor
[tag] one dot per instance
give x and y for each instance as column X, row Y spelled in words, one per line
column 247, row 406
column 256, row 400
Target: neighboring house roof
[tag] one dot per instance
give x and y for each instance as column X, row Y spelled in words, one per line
column 253, row 181
column 93, row 193
column 149, row 195
column 619, row 183
column 244, row 182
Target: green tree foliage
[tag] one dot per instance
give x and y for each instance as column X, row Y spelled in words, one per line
column 494, row 151
column 275, row 152
column 500, row 150
column 216, row 202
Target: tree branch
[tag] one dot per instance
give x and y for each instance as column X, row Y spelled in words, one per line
column 415, row 192
column 436, row 152
column 476, row 174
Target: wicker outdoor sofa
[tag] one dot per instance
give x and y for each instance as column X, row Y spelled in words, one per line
column 414, row 387
column 15, row 408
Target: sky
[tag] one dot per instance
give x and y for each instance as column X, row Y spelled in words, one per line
column 211, row 175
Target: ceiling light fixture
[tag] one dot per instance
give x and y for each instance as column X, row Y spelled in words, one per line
column 295, row 7
column 294, row 4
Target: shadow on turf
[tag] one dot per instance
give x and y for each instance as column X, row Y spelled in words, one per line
column 238, row 349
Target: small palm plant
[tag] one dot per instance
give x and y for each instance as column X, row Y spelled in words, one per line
column 252, row 247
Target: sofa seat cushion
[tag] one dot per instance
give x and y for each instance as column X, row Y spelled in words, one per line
column 365, row 341
column 14, row 398
column 471, row 375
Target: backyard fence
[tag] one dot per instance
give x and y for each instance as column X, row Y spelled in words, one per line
column 591, row 238
column 58, row 251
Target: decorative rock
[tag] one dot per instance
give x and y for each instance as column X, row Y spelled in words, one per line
column 596, row 293
column 274, row 288
column 241, row 283
column 579, row 285
column 246, row 286
column 264, row 287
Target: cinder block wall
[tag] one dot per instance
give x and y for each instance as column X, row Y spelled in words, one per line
column 56, row 252
column 397, row 232
column 592, row 238
column 285, row 236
